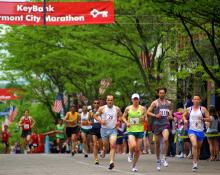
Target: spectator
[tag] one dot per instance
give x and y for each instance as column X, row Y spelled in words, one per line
column 213, row 129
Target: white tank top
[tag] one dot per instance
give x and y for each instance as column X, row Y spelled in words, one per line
column 85, row 117
column 110, row 117
column 196, row 120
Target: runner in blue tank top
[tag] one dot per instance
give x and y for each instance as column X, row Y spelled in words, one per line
column 194, row 118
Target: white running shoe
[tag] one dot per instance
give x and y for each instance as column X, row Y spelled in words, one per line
column 130, row 158
column 134, row 169
column 165, row 163
column 194, row 167
column 158, row 165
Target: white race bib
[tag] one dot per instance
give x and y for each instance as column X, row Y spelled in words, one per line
column 164, row 112
column 95, row 121
column 26, row 126
column 134, row 121
column 109, row 117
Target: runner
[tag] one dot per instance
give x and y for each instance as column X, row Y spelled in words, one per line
column 194, row 118
column 162, row 113
column 134, row 117
column 96, row 136
column 5, row 139
column 85, row 128
column 34, row 141
column 72, row 127
column 213, row 129
column 26, row 123
column 60, row 127
column 107, row 116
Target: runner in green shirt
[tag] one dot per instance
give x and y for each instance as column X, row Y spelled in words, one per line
column 60, row 134
column 134, row 117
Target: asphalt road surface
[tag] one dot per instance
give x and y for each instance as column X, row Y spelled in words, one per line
column 65, row 164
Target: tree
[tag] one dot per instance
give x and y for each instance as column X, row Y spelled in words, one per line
column 200, row 19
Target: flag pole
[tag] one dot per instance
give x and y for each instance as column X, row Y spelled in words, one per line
column 45, row 11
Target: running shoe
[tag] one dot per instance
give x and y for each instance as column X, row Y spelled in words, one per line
column 73, row 153
column 165, row 163
column 134, row 169
column 158, row 165
column 194, row 168
column 130, row 158
column 96, row 162
column 111, row 166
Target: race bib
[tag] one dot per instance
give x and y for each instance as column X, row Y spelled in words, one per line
column 109, row 117
column 26, row 126
column 164, row 112
column 196, row 124
column 95, row 121
column 84, row 122
column 134, row 121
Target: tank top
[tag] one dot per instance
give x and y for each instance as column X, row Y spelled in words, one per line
column 134, row 117
column 95, row 123
column 196, row 120
column 60, row 128
column 26, row 123
column 214, row 125
column 5, row 136
column 164, row 109
column 85, row 119
column 110, row 117
column 73, row 117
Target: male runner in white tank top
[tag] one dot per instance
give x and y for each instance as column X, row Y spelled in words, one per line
column 107, row 116
column 194, row 118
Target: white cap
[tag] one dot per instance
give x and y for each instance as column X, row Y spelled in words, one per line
column 135, row 96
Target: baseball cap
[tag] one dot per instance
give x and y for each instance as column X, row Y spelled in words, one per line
column 135, row 96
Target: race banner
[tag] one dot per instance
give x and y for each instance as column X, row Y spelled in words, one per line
column 56, row 13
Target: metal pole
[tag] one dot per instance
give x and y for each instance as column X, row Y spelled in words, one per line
column 45, row 11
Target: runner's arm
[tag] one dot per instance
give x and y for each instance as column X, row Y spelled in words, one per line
column 150, row 109
column 65, row 118
column 32, row 122
column 170, row 111
column 98, row 114
column 20, row 122
column 206, row 115
column 185, row 116
column 119, row 113
column 125, row 116
column 143, row 115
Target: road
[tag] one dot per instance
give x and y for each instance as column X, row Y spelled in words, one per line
column 65, row 164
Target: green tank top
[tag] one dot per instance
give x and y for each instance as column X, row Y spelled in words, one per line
column 134, row 118
column 60, row 128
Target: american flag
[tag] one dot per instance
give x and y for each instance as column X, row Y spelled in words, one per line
column 57, row 107
column 12, row 113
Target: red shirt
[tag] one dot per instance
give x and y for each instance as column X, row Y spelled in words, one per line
column 26, row 123
column 34, row 138
column 5, row 136
column 145, row 126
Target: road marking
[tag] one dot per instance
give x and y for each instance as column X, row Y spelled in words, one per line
column 104, row 167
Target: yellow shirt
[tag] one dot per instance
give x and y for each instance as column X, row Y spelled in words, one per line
column 74, row 119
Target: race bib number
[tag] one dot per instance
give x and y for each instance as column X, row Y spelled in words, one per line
column 26, row 126
column 109, row 117
column 196, row 124
column 164, row 112
column 134, row 121
column 84, row 122
column 95, row 121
